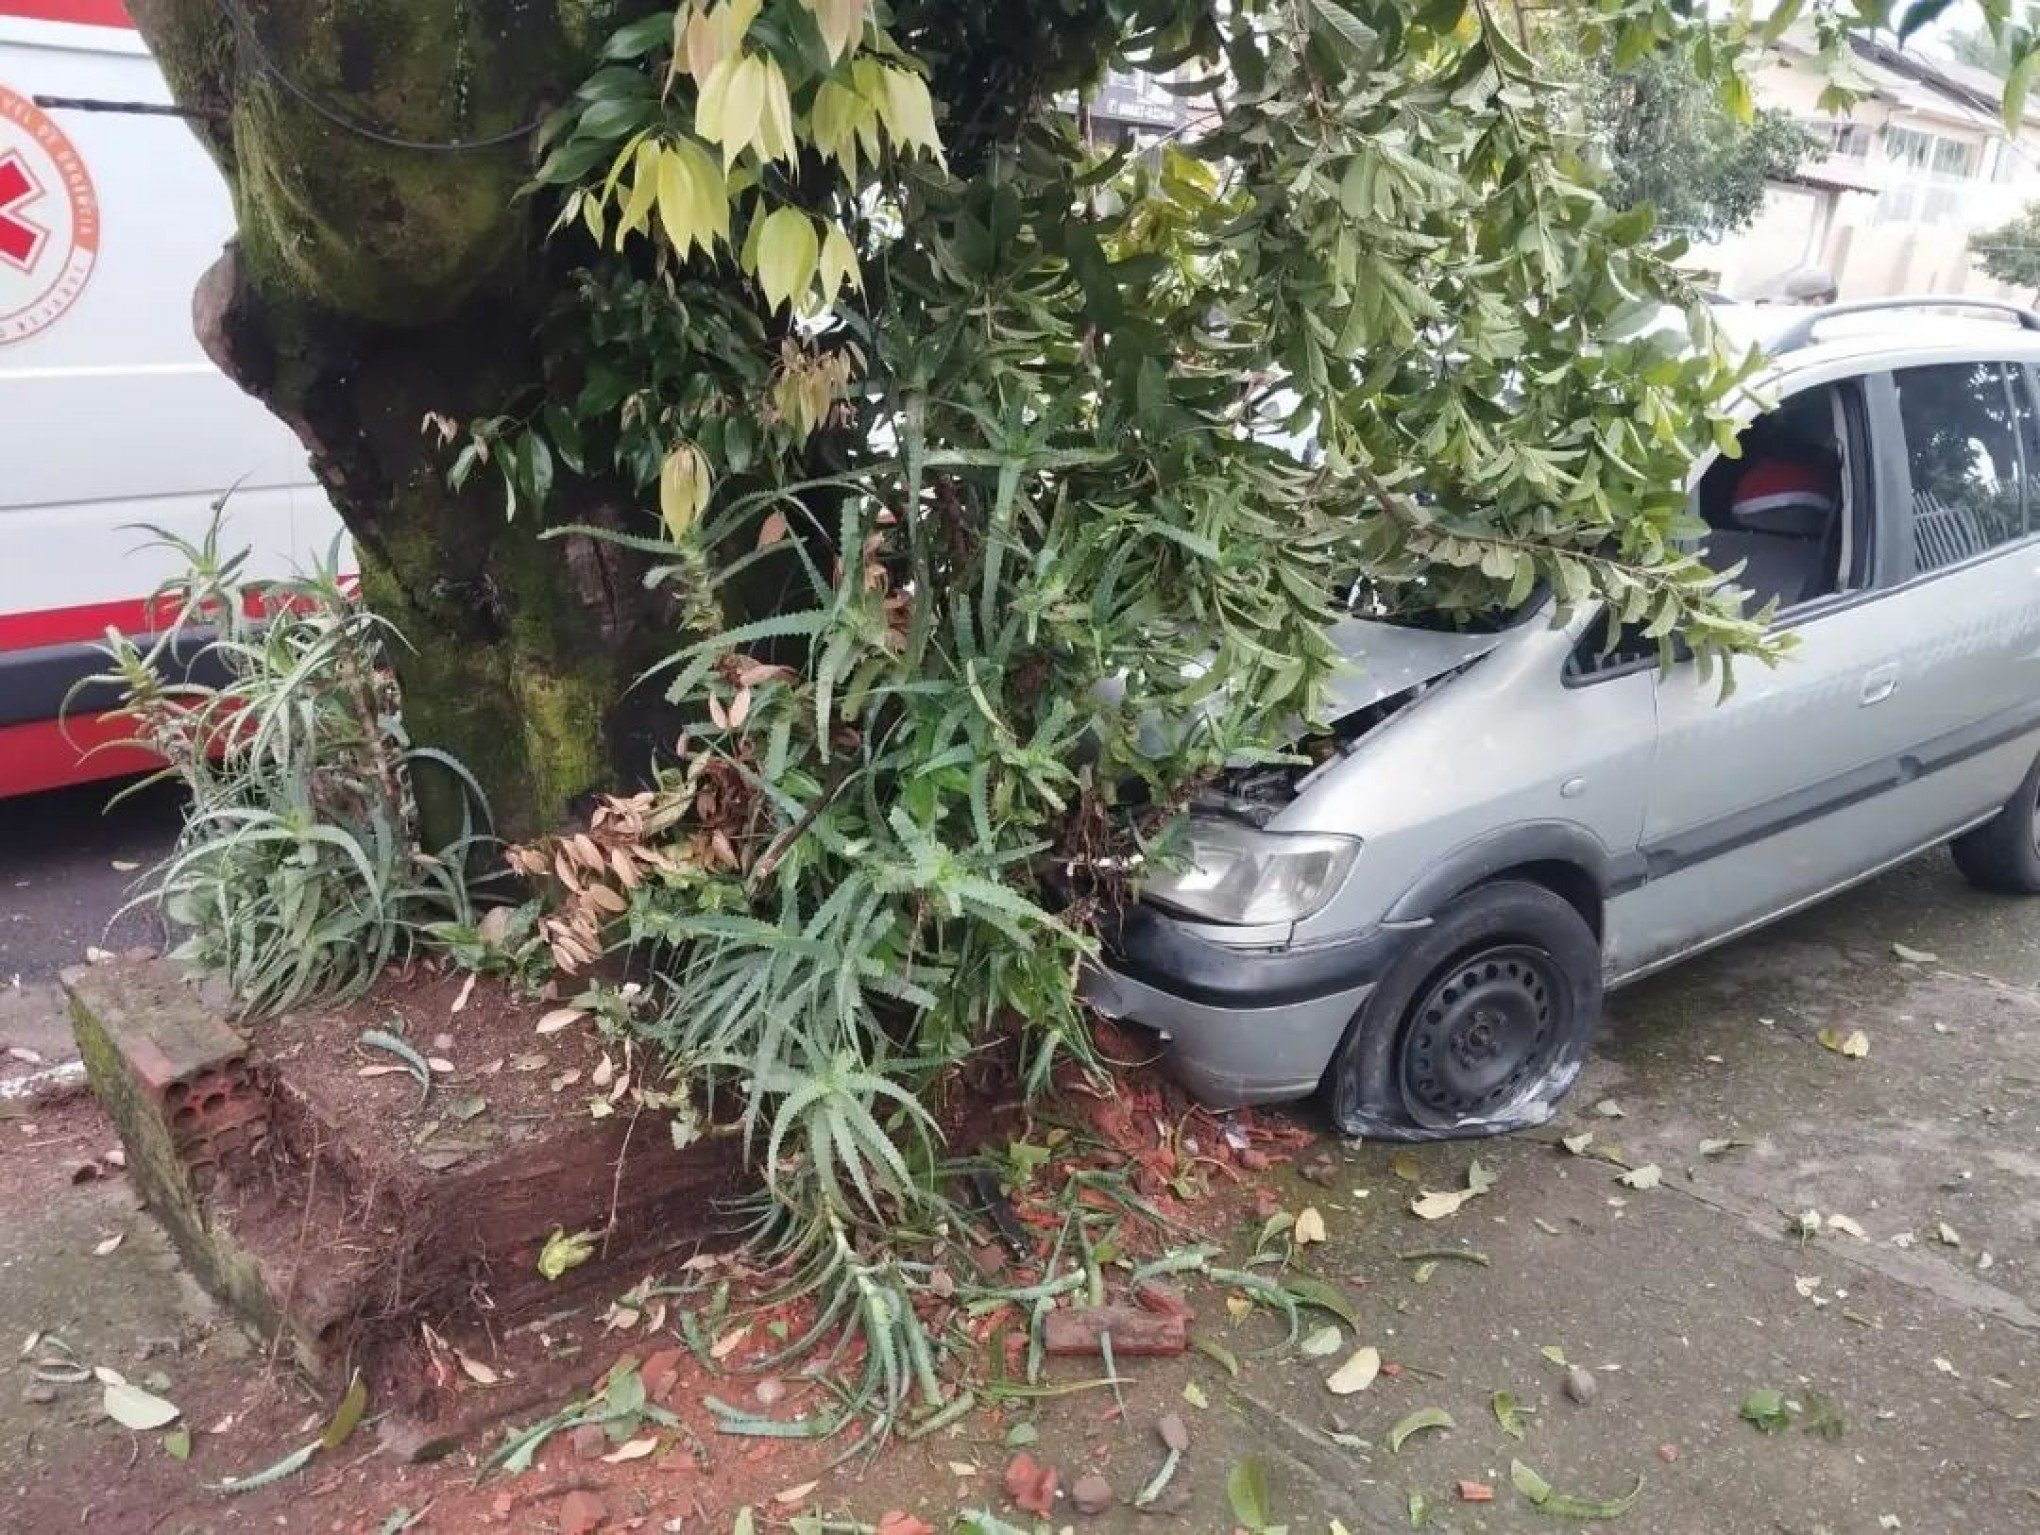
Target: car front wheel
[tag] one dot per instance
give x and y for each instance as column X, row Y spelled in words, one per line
column 2004, row 854
column 1481, row 1027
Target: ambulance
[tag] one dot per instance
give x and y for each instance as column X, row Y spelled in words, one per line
column 111, row 417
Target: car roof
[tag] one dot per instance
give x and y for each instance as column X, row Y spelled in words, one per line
column 1883, row 333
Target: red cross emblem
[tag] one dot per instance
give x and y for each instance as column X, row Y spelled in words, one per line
column 21, row 241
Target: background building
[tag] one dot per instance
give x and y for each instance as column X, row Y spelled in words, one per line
column 1920, row 164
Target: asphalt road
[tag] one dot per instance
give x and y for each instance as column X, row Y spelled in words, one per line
column 69, row 861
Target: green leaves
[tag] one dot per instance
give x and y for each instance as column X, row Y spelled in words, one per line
column 297, row 873
column 1546, row 1499
column 788, row 254
column 1417, row 1422
column 562, row 1252
column 1246, row 1489
column 684, row 489
column 1508, row 1415
column 1349, row 29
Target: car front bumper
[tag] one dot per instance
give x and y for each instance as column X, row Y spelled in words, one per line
column 1239, row 1026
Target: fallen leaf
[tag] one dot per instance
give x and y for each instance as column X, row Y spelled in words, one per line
column 1323, row 1341
column 1645, row 1177
column 1608, row 1108
column 632, row 1449
column 1577, row 1144
column 268, row 1476
column 1553, row 1352
column 1423, row 1418
column 1508, row 1414
column 1855, row 1044
column 1562, row 1505
column 1356, row 1374
column 125, row 865
column 1218, row 1354
column 476, row 1371
column 1309, row 1291
column 1435, row 1207
column 1237, row 1306
column 965, row 1468
column 1194, row 1395
column 132, row 1407
column 1404, row 1165
column 177, row 1444
column 1309, row 1228
column 562, row 1252
column 897, row 1522
column 1845, row 1224
column 1718, row 1148
column 26, row 1056
column 1946, row 1236
column 1912, row 956
column 559, row 1018
column 1768, row 1410
column 1246, row 1489
column 467, row 989
column 789, row 1496
column 730, row 1341
column 346, row 1418
column 440, row 1065
column 109, row 1244
column 1479, row 1177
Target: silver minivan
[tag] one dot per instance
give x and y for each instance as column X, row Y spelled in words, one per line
column 1424, row 919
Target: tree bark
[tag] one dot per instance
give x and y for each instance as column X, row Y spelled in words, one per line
column 374, row 282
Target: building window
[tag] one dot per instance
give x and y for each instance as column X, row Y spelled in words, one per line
column 1838, row 137
column 1930, row 154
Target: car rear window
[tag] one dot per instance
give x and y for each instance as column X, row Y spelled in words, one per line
column 1970, row 444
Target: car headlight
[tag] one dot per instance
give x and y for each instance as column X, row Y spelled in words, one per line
column 1234, row 873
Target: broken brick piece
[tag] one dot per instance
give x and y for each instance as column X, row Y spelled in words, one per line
column 659, row 1371
column 582, row 1513
column 1476, row 1492
column 1134, row 1333
column 1031, row 1485
column 1163, row 1300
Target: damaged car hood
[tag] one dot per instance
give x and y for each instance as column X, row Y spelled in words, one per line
column 1383, row 660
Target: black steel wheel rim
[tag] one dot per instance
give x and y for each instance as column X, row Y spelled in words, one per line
column 1490, row 1028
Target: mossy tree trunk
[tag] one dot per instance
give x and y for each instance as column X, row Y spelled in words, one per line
column 373, row 284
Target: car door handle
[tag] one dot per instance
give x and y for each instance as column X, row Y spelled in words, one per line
column 1880, row 685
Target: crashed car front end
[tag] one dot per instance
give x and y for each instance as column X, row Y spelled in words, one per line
column 1214, row 959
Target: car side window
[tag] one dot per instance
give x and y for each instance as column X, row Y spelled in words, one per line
column 1788, row 515
column 1789, row 518
column 1968, row 427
